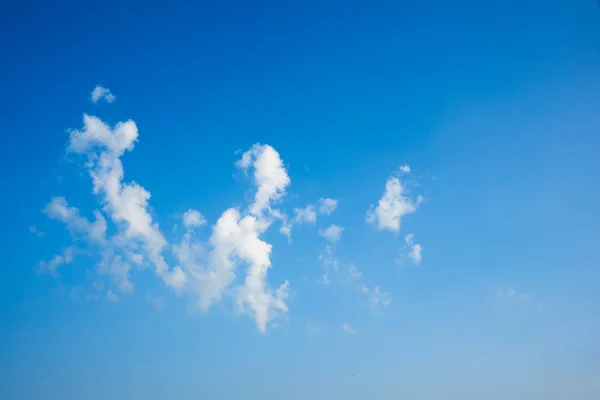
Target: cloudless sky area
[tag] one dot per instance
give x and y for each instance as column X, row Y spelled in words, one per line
column 486, row 288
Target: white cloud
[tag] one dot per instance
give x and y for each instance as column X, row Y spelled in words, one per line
column 333, row 233
column 193, row 219
column 405, row 169
column 59, row 209
column 327, row 206
column 414, row 249
column 270, row 176
column 126, row 203
column 51, row 266
column 100, row 92
column 307, row 214
column 235, row 240
column 346, row 327
column 392, row 206
column 117, row 270
column 110, row 296
column 35, row 231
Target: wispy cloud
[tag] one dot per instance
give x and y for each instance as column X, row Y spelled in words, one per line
column 35, row 231
column 376, row 297
column 511, row 295
column 306, row 215
column 52, row 265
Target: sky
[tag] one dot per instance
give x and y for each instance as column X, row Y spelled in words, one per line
column 292, row 200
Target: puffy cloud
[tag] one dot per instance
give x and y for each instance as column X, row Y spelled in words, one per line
column 332, row 233
column 100, row 92
column 193, row 219
column 307, row 214
column 346, row 327
column 327, row 206
column 235, row 240
column 414, row 249
column 126, row 203
column 405, row 169
column 270, row 176
column 393, row 205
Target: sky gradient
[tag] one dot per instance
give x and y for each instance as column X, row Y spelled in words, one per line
column 292, row 200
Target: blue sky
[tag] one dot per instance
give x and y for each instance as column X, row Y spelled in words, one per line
column 270, row 144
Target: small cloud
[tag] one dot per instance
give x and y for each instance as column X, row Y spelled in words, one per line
column 35, row 231
column 51, row 266
column 393, row 205
column 327, row 206
column 110, row 296
column 346, row 327
column 405, row 169
column 332, row 234
column 414, row 249
column 193, row 219
column 100, row 92
column 306, row 214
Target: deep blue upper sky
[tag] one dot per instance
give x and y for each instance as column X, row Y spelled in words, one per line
column 494, row 105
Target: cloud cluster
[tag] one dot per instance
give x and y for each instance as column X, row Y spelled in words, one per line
column 392, row 207
column 305, row 215
column 206, row 269
column 231, row 262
